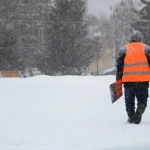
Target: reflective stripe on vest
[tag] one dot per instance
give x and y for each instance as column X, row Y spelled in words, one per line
column 136, row 68
column 136, row 64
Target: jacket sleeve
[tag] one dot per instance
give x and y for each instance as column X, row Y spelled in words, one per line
column 120, row 63
column 147, row 53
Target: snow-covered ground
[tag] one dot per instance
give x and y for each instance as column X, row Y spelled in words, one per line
column 66, row 113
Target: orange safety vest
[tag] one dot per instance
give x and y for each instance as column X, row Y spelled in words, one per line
column 136, row 67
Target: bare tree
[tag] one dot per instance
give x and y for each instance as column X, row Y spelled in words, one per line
column 121, row 20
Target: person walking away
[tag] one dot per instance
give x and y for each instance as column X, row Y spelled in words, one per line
column 133, row 69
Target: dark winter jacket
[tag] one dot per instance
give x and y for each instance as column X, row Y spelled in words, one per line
column 136, row 36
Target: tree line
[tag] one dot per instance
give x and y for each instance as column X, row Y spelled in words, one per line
column 69, row 46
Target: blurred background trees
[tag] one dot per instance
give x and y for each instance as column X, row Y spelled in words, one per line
column 67, row 30
column 143, row 23
column 57, row 36
column 9, row 57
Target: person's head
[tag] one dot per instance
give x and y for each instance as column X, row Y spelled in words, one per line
column 136, row 36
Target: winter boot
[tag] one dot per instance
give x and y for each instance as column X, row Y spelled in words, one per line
column 131, row 116
column 138, row 115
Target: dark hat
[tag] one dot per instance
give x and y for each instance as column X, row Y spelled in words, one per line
column 136, row 36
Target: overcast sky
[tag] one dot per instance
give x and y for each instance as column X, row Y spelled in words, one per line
column 100, row 6
column 97, row 7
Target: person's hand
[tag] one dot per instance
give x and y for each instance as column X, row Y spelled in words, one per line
column 119, row 80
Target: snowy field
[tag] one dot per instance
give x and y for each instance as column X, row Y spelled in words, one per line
column 66, row 113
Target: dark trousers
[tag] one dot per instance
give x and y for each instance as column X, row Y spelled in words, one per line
column 141, row 93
